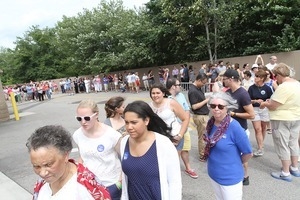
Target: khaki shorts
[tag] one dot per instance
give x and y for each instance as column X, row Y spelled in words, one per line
column 261, row 114
column 187, row 142
column 285, row 137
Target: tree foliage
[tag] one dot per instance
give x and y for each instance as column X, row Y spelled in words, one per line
column 111, row 37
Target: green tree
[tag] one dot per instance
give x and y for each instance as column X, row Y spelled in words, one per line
column 265, row 26
column 35, row 56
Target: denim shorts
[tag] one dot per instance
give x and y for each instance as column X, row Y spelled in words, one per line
column 179, row 147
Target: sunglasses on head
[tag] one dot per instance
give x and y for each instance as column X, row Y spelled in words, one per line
column 86, row 118
column 213, row 106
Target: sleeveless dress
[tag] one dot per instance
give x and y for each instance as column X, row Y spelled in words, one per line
column 166, row 113
column 142, row 173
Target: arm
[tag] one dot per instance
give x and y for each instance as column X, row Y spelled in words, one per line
column 200, row 104
column 274, row 84
column 270, row 104
column 261, row 59
column 246, row 157
column 216, row 87
column 249, row 114
column 181, row 114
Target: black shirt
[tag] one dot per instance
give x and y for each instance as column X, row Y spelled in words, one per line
column 255, row 92
column 243, row 99
column 195, row 96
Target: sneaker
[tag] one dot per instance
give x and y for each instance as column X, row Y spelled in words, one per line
column 246, row 181
column 202, row 159
column 278, row 175
column 191, row 173
column 258, row 153
column 295, row 173
column 269, row 131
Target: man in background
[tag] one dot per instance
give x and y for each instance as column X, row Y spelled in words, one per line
column 245, row 110
column 200, row 110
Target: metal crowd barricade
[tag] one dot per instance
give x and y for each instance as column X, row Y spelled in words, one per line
column 206, row 88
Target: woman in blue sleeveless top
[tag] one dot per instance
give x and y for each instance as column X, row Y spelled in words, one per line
column 150, row 163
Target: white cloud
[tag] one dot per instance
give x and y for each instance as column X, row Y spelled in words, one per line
column 18, row 15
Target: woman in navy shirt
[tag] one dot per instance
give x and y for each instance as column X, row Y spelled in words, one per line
column 150, row 163
column 260, row 92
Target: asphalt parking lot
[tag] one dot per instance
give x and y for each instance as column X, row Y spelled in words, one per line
column 15, row 164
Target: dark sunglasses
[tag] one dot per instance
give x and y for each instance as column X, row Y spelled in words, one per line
column 213, row 106
column 86, row 118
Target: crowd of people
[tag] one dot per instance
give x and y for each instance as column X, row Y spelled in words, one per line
column 38, row 91
column 135, row 152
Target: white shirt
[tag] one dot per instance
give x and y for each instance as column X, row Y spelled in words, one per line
column 72, row 190
column 145, row 77
column 99, row 155
column 271, row 66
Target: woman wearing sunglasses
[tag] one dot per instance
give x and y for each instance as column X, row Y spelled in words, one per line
column 97, row 147
column 227, row 148
column 260, row 92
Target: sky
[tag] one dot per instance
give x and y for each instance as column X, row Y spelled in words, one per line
column 17, row 16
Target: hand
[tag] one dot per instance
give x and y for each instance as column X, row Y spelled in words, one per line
column 259, row 101
column 176, row 139
column 262, row 105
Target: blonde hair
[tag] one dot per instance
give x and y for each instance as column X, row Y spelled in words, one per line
column 283, row 70
column 89, row 104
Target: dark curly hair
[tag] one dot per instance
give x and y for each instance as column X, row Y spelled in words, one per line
column 50, row 135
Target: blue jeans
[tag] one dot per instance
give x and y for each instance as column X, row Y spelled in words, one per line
column 115, row 192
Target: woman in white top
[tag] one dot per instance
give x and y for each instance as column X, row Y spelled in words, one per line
column 169, row 110
column 61, row 177
column 96, row 142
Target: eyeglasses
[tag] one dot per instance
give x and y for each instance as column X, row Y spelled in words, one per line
column 177, row 85
column 213, row 106
column 86, row 118
column 257, row 76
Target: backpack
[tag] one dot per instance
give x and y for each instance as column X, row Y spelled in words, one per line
column 86, row 178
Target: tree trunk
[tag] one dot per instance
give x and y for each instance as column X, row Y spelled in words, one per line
column 208, row 42
column 4, row 114
column 216, row 34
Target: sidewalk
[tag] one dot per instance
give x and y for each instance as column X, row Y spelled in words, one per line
column 10, row 190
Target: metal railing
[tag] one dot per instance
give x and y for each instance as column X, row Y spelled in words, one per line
column 206, row 88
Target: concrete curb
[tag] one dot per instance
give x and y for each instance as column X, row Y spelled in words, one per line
column 10, row 190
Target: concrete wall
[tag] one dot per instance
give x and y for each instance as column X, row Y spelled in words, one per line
column 290, row 58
